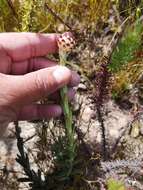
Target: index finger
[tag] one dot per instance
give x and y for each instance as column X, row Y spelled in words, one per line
column 22, row 46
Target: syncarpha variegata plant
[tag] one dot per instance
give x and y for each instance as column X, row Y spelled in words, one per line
column 66, row 43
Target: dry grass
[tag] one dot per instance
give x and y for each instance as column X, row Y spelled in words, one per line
column 93, row 28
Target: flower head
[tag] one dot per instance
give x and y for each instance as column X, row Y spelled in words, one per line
column 66, row 42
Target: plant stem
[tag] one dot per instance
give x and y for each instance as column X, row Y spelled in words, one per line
column 67, row 118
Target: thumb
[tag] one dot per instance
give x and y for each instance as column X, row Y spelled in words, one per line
column 37, row 85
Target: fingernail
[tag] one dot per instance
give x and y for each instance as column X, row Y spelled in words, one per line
column 75, row 80
column 62, row 74
column 58, row 111
column 71, row 94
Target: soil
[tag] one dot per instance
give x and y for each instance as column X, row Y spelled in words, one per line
column 123, row 138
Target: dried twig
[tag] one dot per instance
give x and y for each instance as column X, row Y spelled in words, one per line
column 10, row 4
column 57, row 17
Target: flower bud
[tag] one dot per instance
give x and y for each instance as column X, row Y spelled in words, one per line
column 66, row 42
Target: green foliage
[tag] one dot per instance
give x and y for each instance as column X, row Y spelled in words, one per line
column 127, row 47
column 126, row 62
column 64, row 158
column 115, row 185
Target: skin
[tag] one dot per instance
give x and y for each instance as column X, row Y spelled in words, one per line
column 26, row 77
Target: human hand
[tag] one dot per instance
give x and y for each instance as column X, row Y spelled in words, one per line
column 27, row 77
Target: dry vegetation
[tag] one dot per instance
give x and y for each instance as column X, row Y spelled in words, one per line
column 108, row 57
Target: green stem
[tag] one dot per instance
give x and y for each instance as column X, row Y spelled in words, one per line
column 67, row 118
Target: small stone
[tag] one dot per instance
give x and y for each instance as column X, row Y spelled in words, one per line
column 61, row 28
column 141, row 126
column 76, row 106
column 135, row 129
column 82, row 86
column 87, row 114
